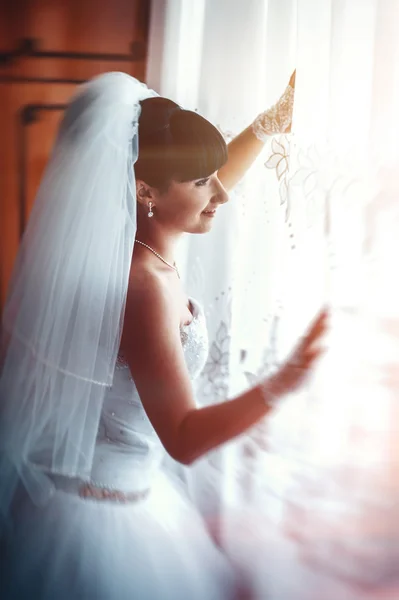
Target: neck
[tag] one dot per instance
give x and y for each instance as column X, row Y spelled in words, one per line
column 154, row 235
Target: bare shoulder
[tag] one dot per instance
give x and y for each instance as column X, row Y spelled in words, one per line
column 150, row 304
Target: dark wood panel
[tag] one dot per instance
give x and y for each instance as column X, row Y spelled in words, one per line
column 73, row 26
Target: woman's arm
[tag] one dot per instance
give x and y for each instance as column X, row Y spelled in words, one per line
column 243, row 150
column 152, row 346
column 246, row 147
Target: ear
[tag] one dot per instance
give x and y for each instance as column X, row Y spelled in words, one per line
column 144, row 192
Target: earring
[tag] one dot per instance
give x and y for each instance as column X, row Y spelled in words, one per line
column 150, row 213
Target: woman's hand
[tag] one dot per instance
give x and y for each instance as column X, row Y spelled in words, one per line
column 297, row 368
column 278, row 118
column 246, row 147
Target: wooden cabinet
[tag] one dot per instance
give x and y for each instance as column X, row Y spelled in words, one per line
column 47, row 47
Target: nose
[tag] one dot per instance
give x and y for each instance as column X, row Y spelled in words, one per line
column 221, row 196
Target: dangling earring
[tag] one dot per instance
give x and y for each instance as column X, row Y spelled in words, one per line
column 150, row 213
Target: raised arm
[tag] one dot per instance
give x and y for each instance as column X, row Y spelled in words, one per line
column 245, row 147
column 154, row 352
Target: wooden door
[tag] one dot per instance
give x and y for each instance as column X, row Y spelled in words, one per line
column 48, row 47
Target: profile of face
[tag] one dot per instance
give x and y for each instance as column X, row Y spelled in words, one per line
column 185, row 207
column 180, row 154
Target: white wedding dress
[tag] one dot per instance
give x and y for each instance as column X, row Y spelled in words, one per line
column 154, row 546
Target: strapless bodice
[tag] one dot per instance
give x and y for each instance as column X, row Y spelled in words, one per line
column 128, row 451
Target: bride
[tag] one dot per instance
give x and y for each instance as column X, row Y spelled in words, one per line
column 99, row 348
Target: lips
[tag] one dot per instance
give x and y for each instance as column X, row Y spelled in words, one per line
column 209, row 212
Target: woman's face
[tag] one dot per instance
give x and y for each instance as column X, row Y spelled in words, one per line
column 190, row 206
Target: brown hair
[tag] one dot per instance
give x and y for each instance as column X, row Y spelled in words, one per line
column 176, row 144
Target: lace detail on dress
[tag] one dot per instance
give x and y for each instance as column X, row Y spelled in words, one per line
column 194, row 339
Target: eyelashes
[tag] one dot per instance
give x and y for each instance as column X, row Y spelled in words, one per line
column 202, row 182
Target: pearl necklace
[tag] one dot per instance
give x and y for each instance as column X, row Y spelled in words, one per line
column 159, row 256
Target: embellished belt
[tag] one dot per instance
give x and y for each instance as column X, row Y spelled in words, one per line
column 95, row 490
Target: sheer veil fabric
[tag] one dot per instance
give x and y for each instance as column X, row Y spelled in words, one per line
column 64, row 313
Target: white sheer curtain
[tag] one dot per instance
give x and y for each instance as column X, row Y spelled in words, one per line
column 202, row 56
column 310, row 499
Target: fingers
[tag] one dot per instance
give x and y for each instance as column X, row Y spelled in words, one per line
column 313, row 356
column 296, row 370
column 306, row 359
column 309, row 348
column 318, row 327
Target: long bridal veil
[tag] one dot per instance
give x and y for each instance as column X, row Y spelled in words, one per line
column 63, row 317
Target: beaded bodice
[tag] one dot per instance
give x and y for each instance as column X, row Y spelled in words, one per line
column 128, row 450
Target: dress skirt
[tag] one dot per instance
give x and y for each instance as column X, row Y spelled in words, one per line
column 76, row 548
